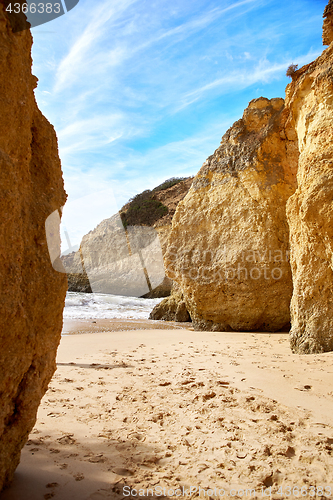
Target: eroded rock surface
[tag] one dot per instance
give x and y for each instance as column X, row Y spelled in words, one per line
column 228, row 247
column 309, row 102
column 328, row 24
column 173, row 308
column 32, row 292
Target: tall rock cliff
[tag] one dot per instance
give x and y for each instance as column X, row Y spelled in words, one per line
column 309, row 104
column 32, row 292
column 228, row 248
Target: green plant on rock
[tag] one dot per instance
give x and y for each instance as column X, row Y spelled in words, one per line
column 169, row 183
column 144, row 210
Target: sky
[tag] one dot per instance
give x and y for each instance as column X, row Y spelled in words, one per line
column 140, row 91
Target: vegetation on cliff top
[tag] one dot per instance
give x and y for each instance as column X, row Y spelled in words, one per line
column 144, row 209
column 169, row 183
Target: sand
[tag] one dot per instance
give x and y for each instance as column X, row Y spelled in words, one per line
column 79, row 326
column 171, row 411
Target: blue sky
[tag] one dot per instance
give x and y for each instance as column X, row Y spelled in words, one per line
column 139, row 91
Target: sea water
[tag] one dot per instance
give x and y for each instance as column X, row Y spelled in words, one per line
column 100, row 305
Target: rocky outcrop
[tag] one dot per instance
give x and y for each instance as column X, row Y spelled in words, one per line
column 309, row 103
column 77, row 277
column 128, row 261
column 172, row 308
column 32, row 292
column 228, row 248
column 328, row 24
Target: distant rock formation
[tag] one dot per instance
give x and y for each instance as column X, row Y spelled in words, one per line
column 229, row 244
column 32, row 292
column 127, row 262
column 309, row 103
column 122, row 262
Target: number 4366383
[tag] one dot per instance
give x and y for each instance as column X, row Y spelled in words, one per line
column 33, row 8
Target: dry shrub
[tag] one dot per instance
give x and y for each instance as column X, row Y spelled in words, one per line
column 292, row 70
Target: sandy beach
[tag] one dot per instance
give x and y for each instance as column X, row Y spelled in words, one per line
column 160, row 411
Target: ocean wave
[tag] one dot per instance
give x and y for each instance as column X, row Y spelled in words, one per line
column 99, row 305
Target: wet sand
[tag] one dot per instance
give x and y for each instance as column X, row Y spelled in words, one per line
column 169, row 408
column 79, row 326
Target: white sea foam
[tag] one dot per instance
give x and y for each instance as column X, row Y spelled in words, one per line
column 99, row 305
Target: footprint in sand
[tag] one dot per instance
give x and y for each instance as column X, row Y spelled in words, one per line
column 79, row 476
column 51, row 485
column 67, row 439
column 97, row 459
column 122, row 472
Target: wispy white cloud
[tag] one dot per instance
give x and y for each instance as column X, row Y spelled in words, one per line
column 89, row 134
column 264, row 72
column 96, row 133
column 196, row 24
column 70, row 68
column 82, row 55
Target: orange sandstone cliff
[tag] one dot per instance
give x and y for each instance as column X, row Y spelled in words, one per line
column 309, row 104
column 229, row 243
column 32, row 293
